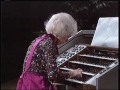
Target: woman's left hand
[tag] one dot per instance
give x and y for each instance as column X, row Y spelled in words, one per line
column 76, row 73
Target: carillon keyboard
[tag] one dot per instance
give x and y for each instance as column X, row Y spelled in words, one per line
column 69, row 54
column 91, row 59
column 100, row 57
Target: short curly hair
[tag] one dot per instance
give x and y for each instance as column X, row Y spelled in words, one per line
column 62, row 24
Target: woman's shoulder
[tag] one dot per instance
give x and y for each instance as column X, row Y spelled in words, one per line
column 49, row 39
column 46, row 40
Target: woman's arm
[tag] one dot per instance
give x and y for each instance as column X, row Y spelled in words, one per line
column 51, row 65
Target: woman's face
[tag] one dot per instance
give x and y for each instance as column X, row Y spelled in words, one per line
column 61, row 40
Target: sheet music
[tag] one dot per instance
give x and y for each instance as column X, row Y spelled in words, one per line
column 106, row 33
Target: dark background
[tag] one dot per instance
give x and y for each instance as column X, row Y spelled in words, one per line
column 21, row 22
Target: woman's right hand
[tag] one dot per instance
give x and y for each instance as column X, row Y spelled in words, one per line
column 76, row 73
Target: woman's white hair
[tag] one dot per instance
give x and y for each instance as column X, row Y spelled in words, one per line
column 62, row 24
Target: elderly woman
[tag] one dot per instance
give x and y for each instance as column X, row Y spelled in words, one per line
column 40, row 70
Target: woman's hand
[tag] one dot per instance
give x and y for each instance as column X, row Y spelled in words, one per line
column 76, row 73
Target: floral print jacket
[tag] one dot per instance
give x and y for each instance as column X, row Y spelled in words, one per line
column 44, row 58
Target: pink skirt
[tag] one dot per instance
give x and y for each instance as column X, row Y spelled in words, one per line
column 34, row 81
